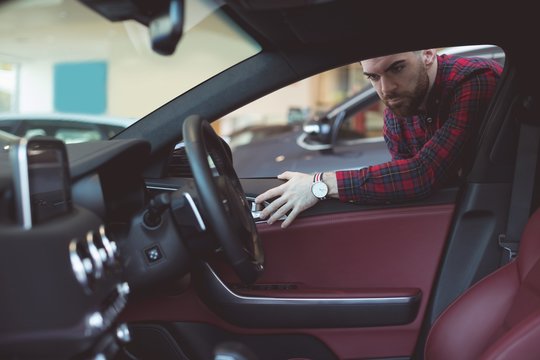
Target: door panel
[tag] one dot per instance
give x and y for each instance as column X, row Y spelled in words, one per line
column 360, row 254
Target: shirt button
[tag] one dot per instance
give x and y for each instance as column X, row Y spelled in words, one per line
column 429, row 120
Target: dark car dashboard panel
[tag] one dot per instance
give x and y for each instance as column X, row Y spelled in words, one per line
column 61, row 278
column 61, row 295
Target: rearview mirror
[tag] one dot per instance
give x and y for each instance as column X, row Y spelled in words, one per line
column 166, row 28
column 164, row 18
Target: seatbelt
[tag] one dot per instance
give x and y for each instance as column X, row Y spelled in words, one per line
column 523, row 185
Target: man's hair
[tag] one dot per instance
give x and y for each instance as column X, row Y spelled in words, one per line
column 417, row 53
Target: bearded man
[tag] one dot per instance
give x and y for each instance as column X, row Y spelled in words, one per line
column 435, row 104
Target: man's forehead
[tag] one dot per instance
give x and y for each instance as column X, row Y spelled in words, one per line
column 380, row 64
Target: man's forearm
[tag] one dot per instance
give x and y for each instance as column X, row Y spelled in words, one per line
column 330, row 179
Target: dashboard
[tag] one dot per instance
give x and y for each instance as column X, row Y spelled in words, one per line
column 66, row 279
column 62, row 280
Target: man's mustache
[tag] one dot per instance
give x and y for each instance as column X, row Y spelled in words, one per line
column 393, row 96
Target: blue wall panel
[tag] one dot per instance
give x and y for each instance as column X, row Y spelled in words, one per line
column 80, row 87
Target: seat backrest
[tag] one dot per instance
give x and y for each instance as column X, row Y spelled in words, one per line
column 499, row 317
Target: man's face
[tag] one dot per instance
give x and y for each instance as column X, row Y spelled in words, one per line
column 401, row 80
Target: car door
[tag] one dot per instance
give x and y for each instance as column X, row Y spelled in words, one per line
column 345, row 281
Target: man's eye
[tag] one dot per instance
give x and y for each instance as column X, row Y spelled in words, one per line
column 396, row 69
column 372, row 77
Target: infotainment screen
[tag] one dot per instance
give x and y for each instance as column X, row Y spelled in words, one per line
column 41, row 177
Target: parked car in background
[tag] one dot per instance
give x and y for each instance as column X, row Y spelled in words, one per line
column 347, row 136
column 257, row 133
column 71, row 128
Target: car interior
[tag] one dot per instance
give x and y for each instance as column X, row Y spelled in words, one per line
column 149, row 246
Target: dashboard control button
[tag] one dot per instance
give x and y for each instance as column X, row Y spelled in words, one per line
column 153, row 254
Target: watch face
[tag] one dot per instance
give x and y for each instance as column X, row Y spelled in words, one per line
column 319, row 189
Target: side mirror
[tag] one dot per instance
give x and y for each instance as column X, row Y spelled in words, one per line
column 317, row 131
column 166, row 28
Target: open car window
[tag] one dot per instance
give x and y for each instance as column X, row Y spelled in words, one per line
column 330, row 121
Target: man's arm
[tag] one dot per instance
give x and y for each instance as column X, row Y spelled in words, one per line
column 400, row 179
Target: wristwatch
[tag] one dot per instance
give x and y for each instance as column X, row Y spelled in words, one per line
column 319, row 188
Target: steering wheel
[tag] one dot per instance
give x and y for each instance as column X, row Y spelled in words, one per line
column 223, row 199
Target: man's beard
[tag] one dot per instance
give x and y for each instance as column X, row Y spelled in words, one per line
column 407, row 103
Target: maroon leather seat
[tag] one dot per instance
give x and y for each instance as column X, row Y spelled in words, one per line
column 499, row 317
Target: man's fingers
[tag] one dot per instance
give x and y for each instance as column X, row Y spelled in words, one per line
column 292, row 196
column 283, row 210
column 272, row 207
column 287, row 175
column 270, row 194
column 294, row 213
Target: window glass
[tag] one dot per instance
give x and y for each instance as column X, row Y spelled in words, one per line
column 63, row 58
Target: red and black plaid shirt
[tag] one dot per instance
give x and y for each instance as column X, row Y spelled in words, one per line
column 427, row 149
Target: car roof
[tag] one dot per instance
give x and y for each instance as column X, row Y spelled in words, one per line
column 335, row 24
column 489, row 51
column 469, row 49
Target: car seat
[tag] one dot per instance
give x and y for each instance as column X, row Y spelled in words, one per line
column 499, row 317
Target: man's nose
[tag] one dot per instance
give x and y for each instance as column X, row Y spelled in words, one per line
column 387, row 86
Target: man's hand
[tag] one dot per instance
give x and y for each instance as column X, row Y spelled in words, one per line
column 294, row 196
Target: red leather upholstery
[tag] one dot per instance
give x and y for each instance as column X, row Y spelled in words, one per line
column 499, row 317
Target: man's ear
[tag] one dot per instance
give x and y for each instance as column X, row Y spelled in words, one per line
column 429, row 56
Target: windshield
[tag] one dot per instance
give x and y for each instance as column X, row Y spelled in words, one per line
column 67, row 72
